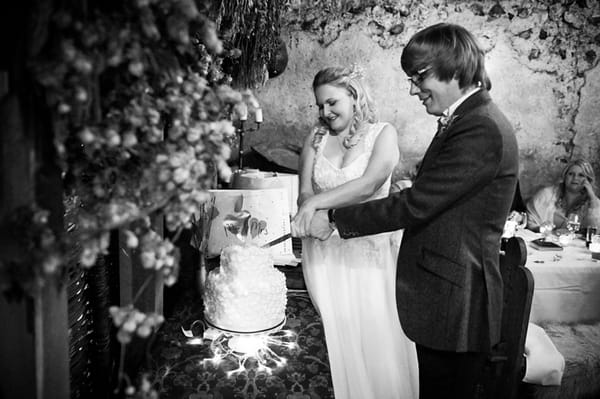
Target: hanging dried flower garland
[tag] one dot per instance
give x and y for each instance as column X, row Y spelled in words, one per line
column 252, row 27
column 142, row 120
column 141, row 113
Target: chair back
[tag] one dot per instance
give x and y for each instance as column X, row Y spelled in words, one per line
column 507, row 361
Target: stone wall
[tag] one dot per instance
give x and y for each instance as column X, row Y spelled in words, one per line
column 542, row 57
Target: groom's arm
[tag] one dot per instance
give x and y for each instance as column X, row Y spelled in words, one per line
column 467, row 162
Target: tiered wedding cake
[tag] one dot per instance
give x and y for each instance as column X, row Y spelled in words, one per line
column 246, row 293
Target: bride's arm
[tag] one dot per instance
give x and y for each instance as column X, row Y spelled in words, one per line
column 307, row 158
column 381, row 163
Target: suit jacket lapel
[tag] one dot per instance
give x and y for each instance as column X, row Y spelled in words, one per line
column 433, row 149
column 474, row 101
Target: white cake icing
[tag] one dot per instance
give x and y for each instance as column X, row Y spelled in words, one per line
column 246, row 293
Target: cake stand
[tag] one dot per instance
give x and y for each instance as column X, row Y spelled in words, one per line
column 265, row 331
column 246, row 342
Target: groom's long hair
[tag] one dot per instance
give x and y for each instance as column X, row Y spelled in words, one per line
column 451, row 51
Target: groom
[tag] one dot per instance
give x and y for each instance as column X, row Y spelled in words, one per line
column 448, row 288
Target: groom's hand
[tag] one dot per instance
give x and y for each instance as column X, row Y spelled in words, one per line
column 319, row 226
column 296, row 230
column 301, row 222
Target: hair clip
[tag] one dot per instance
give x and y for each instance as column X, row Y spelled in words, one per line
column 357, row 72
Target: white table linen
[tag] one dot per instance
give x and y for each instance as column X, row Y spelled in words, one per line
column 567, row 282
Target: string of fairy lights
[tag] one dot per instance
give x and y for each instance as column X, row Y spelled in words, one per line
column 241, row 348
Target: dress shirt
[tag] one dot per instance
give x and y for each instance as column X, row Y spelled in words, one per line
column 446, row 117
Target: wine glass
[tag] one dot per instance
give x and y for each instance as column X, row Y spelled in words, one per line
column 522, row 220
column 546, row 229
column 573, row 223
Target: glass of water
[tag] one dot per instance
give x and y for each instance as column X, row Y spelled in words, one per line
column 573, row 223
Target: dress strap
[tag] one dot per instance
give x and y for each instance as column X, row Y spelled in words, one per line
column 321, row 144
column 372, row 135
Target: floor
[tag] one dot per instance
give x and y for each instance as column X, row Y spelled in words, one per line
column 180, row 367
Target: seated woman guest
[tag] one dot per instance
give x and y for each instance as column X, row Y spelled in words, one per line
column 574, row 194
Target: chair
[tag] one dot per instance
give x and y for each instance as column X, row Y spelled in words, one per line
column 507, row 361
column 518, row 204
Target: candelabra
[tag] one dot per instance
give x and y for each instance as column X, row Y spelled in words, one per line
column 242, row 130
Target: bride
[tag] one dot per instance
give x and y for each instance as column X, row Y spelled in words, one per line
column 348, row 158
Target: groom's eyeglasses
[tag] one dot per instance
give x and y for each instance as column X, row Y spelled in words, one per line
column 420, row 76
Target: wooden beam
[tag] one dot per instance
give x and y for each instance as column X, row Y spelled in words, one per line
column 17, row 365
column 132, row 276
column 34, row 336
column 51, row 342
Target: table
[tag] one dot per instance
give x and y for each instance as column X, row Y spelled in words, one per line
column 567, row 283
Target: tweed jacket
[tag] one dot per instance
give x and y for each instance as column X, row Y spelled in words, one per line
column 448, row 284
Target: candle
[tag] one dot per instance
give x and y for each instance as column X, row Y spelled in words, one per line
column 258, row 116
column 595, row 249
column 595, row 246
column 242, row 111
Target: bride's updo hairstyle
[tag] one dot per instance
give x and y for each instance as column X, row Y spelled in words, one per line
column 350, row 79
column 448, row 51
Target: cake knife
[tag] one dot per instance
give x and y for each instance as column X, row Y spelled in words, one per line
column 277, row 240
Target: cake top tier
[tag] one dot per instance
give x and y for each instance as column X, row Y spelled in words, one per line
column 239, row 259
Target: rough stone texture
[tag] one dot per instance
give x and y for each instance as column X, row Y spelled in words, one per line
column 587, row 121
column 542, row 58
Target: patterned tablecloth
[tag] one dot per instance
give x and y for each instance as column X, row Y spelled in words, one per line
column 182, row 370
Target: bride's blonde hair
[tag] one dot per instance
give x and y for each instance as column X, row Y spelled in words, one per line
column 350, row 79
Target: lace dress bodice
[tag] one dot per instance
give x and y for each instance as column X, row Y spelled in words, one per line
column 327, row 176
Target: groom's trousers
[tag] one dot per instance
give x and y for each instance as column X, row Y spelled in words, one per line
column 445, row 374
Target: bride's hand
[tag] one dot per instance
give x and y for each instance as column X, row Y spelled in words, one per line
column 319, row 226
column 303, row 218
column 302, row 197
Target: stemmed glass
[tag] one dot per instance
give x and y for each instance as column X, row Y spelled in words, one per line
column 573, row 223
column 546, row 229
column 522, row 220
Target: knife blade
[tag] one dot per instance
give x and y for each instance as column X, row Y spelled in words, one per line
column 276, row 241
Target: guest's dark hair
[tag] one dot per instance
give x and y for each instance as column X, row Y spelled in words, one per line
column 451, row 51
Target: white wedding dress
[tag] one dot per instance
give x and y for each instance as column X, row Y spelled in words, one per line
column 352, row 284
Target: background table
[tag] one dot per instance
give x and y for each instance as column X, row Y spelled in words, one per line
column 567, row 282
